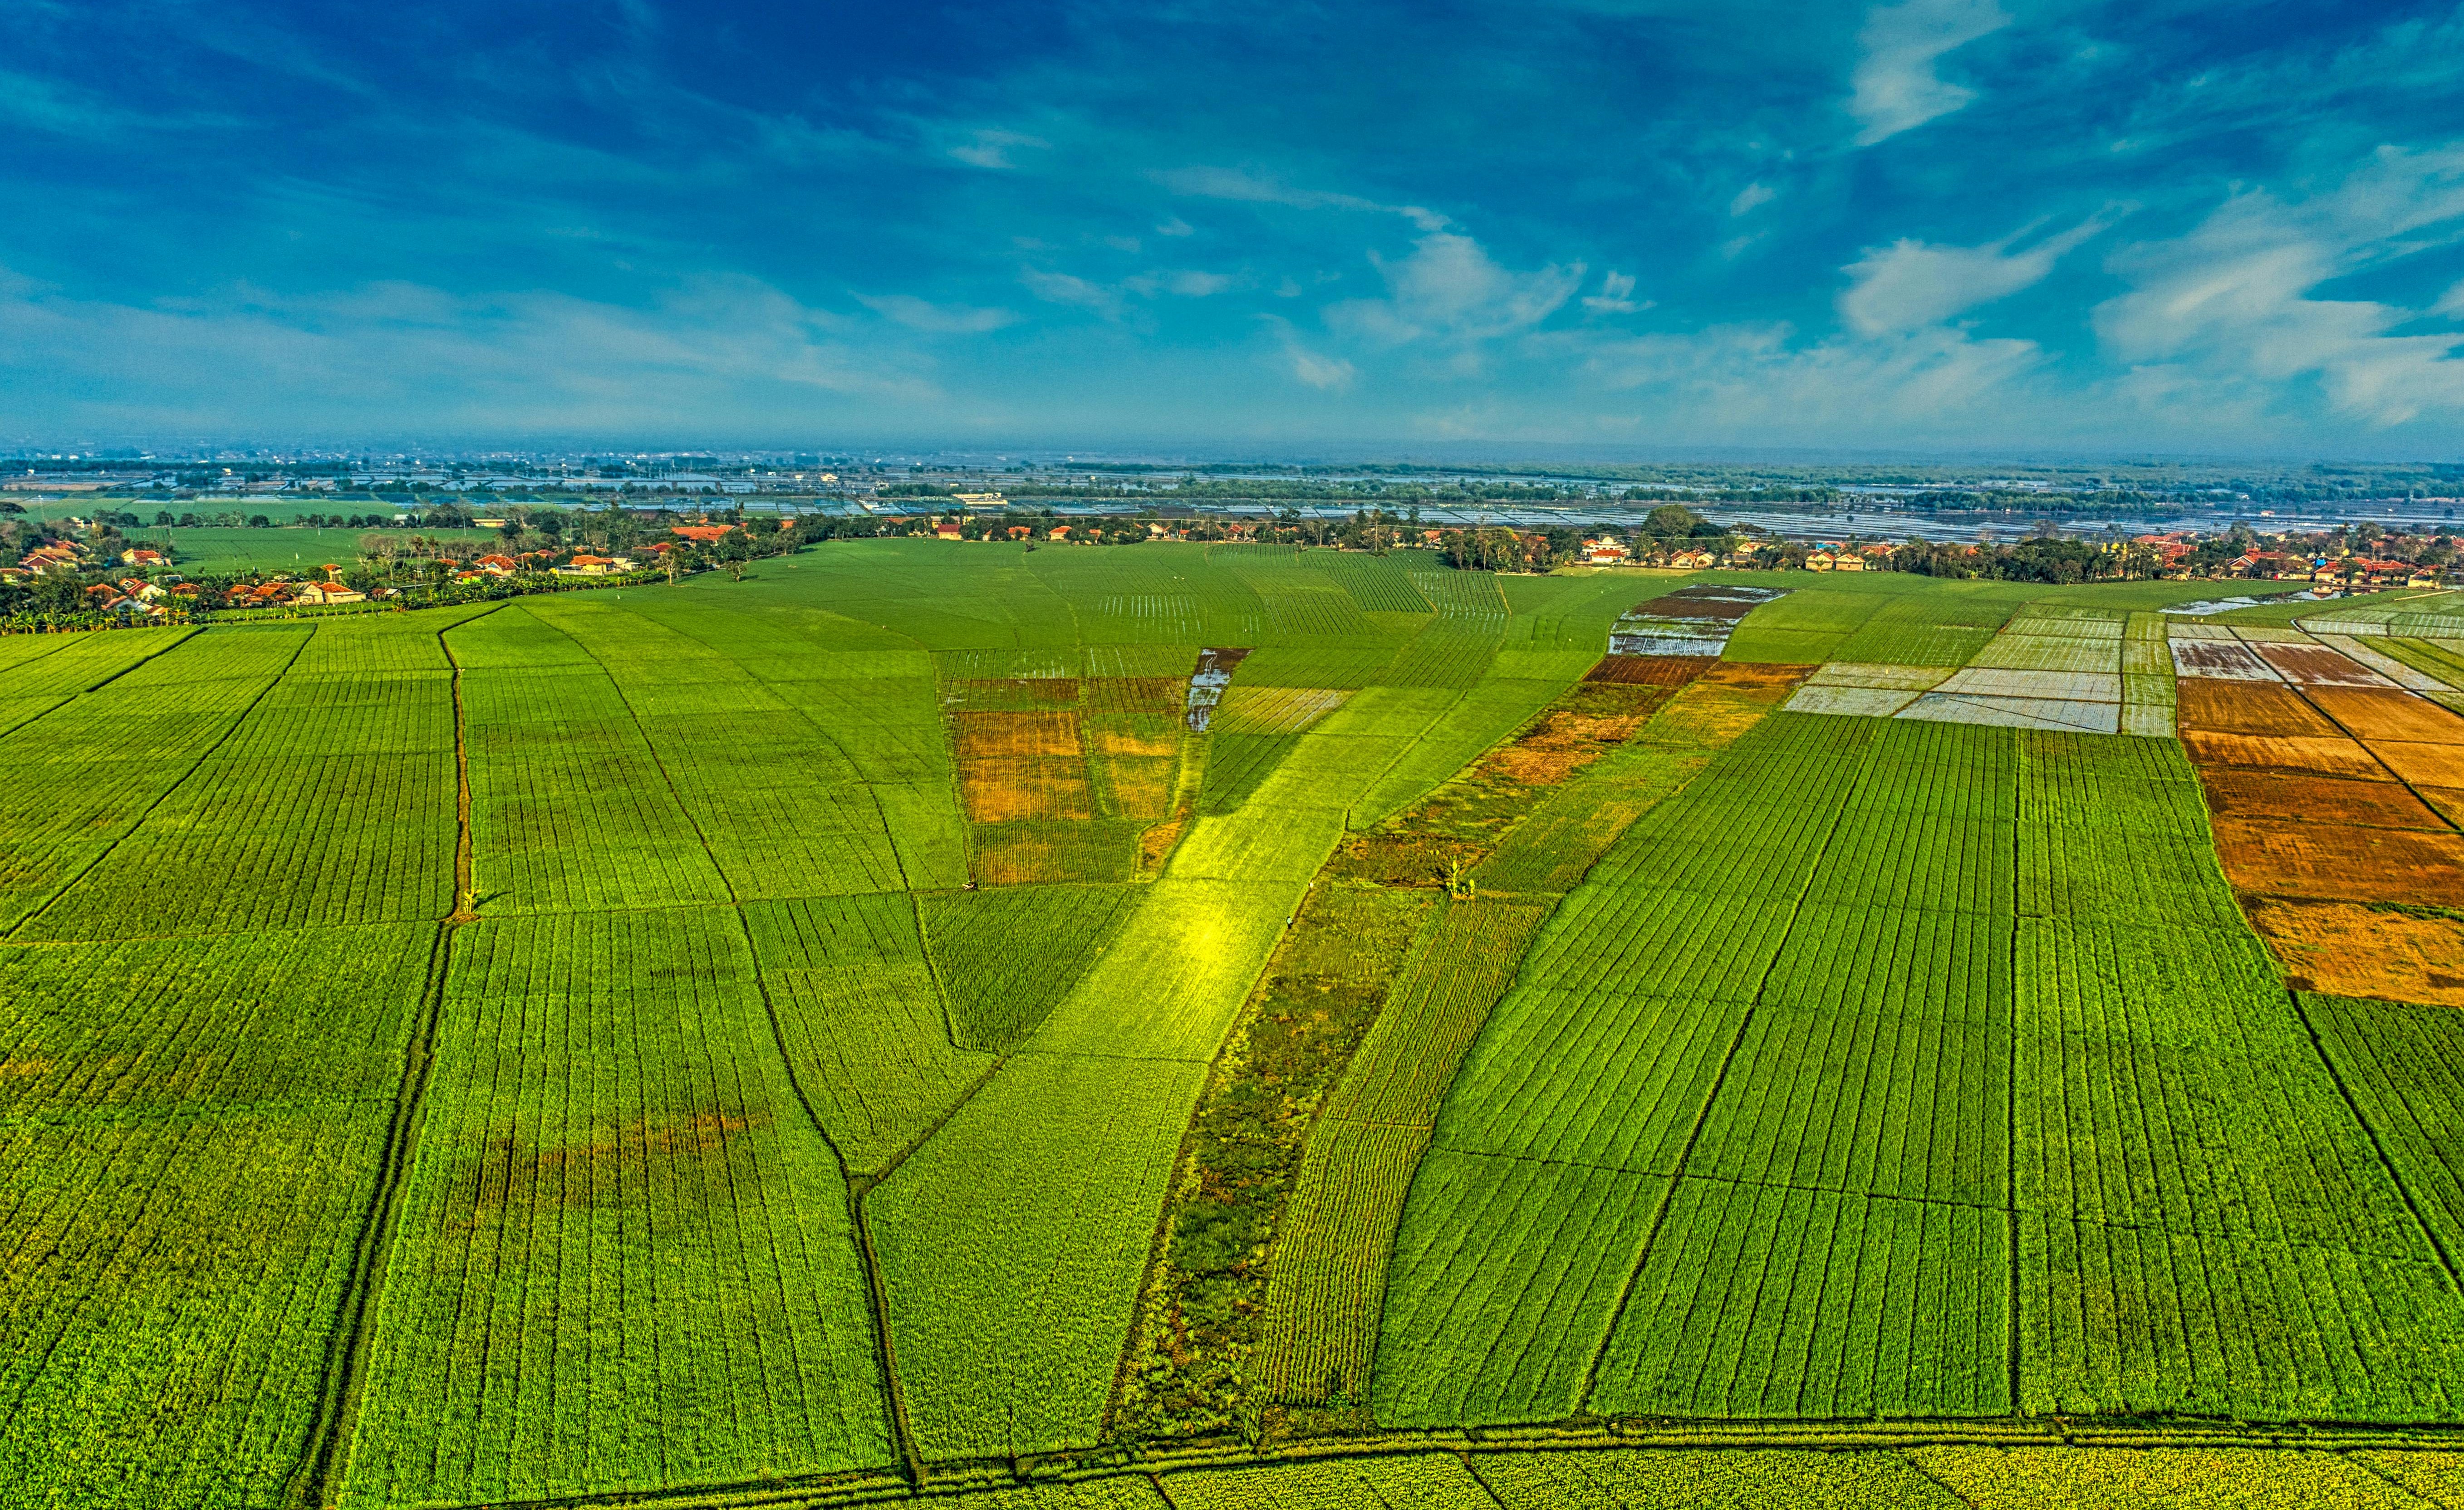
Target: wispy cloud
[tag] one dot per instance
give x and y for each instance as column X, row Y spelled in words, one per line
column 995, row 149
column 2231, row 310
column 1895, row 87
column 1246, row 188
column 940, row 319
column 1749, row 197
column 1910, row 284
column 1451, row 290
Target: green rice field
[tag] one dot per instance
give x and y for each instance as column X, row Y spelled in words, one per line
column 868, row 1032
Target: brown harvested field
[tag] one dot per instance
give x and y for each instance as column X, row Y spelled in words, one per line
column 2318, row 666
column 2421, row 764
column 2263, row 797
column 1133, row 743
column 2302, row 755
column 2225, row 660
column 2339, row 861
column 2356, row 951
column 1005, row 790
column 1588, row 719
column 997, row 736
column 1756, row 676
column 1651, row 670
column 2390, row 713
column 2248, row 708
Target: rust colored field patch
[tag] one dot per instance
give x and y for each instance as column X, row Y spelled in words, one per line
column 2448, row 801
column 1651, row 670
column 2388, row 713
column 2422, row 765
column 2306, row 756
column 2318, row 666
column 1681, row 605
column 2340, row 861
column 2274, row 797
column 1133, row 743
column 1006, row 788
column 1011, row 735
column 1770, row 678
column 2356, row 951
column 2248, row 708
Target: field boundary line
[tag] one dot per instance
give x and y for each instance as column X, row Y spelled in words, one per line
column 2412, row 1206
column 176, row 641
column 316, row 1480
column 1706, row 1435
column 877, row 1294
column 163, row 796
column 1719, row 1081
column 2011, row 1090
column 2302, row 690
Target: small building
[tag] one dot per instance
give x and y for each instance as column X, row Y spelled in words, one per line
column 1693, row 560
column 1821, row 561
column 700, row 534
column 315, row 594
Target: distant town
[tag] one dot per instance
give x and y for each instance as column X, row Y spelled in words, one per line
column 117, row 536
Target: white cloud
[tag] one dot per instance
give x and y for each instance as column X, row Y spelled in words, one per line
column 1321, row 372
column 1175, row 226
column 940, row 319
column 1246, row 188
column 1910, row 284
column 992, row 148
column 1749, row 196
column 2452, row 302
column 1895, row 87
column 1452, row 290
column 1616, row 295
column 1062, row 288
column 1198, row 285
column 2228, row 310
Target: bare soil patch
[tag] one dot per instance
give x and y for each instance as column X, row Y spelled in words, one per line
column 1651, row 670
column 2318, row 665
column 2248, row 708
column 2275, row 797
column 2339, row 861
column 2309, row 757
column 2422, row 764
column 2388, row 713
column 2356, row 951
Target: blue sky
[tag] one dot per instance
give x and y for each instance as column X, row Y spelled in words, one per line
column 1934, row 224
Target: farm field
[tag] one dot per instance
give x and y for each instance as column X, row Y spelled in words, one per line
column 1181, row 1026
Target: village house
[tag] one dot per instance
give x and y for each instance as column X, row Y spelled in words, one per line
column 700, row 534
column 143, row 559
column 1821, row 561
column 498, row 565
column 1604, row 552
column 318, row 594
column 1692, row 561
column 583, row 564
